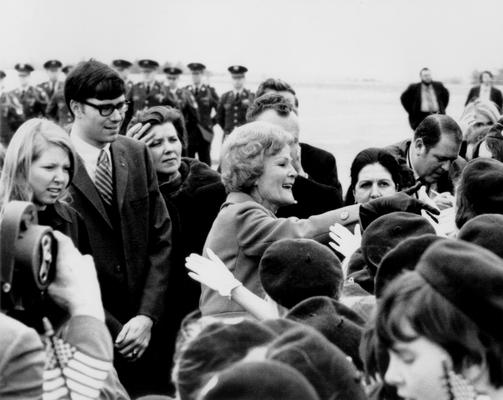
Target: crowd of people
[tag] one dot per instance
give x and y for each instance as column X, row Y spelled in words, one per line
column 256, row 278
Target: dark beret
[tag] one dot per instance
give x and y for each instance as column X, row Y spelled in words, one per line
column 172, row 71
column 387, row 231
column 2, row 74
column 23, row 68
column 148, row 64
column 259, row 380
column 52, row 64
column 237, row 70
column 292, row 270
column 485, row 230
column 482, row 181
column 324, row 365
column 403, row 257
column 196, row 67
column 471, row 278
column 119, row 63
column 338, row 323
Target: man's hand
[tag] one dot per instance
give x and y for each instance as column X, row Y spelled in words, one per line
column 444, row 200
column 138, row 130
column 134, row 338
column 75, row 287
column 398, row 202
column 296, row 160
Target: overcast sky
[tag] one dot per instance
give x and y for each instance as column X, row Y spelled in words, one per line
column 312, row 40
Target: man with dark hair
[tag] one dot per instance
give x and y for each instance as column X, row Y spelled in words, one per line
column 232, row 107
column 116, row 192
column 278, row 86
column 432, row 155
column 315, row 166
column 486, row 91
column 424, row 98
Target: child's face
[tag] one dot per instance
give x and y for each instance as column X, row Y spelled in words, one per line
column 416, row 370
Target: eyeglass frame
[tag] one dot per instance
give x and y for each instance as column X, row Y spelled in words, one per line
column 124, row 105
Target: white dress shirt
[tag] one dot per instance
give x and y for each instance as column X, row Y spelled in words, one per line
column 89, row 154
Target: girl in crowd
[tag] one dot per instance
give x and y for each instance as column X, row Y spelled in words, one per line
column 491, row 145
column 39, row 166
column 442, row 339
column 374, row 173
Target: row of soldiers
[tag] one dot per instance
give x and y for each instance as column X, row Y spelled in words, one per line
column 199, row 102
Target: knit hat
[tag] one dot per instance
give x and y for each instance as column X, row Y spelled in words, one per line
column 338, row 323
column 292, row 270
column 265, row 380
column 324, row 365
column 482, row 181
column 403, row 257
column 471, row 278
column 485, row 230
column 387, row 231
column 216, row 347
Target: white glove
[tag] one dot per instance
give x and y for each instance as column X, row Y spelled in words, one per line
column 344, row 241
column 212, row 272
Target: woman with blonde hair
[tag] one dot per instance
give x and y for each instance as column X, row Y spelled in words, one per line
column 38, row 167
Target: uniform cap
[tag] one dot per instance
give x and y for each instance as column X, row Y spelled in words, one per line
column 148, row 64
column 23, row 68
column 172, row 70
column 119, row 63
column 237, row 70
column 196, row 67
column 52, row 64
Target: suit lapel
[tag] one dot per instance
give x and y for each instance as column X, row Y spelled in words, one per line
column 120, row 170
column 83, row 183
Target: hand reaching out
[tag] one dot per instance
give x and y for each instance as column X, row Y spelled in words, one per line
column 345, row 242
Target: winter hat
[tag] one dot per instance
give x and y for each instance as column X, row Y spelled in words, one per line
column 324, row 365
column 265, row 380
column 338, row 323
column 292, row 270
column 485, row 230
column 403, row 257
column 470, row 277
column 387, row 231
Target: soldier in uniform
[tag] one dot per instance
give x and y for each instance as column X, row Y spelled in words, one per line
column 53, row 85
column 123, row 67
column 183, row 100
column 57, row 109
column 233, row 104
column 11, row 113
column 33, row 99
column 148, row 92
column 201, row 135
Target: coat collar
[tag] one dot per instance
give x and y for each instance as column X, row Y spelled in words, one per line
column 241, row 197
column 85, row 185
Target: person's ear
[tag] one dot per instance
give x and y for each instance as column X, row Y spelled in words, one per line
column 76, row 108
column 419, row 146
column 476, row 373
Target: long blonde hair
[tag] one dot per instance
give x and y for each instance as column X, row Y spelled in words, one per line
column 25, row 147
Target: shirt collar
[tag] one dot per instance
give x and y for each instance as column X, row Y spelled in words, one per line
column 409, row 163
column 88, row 152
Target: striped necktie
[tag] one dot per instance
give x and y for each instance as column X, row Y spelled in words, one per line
column 103, row 179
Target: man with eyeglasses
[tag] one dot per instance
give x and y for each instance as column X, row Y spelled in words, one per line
column 116, row 192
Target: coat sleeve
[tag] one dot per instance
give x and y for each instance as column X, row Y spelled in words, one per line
column 257, row 229
column 159, row 257
column 220, row 117
column 445, row 96
column 22, row 360
column 406, row 98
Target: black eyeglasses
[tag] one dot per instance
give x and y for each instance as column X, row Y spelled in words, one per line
column 106, row 110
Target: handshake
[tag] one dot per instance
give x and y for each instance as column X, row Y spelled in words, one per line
column 36, row 261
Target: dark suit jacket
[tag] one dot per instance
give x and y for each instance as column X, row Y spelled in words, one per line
column 496, row 97
column 320, row 165
column 131, row 244
column 207, row 100
column 411, row 101
column 446, row 181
